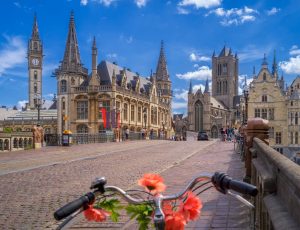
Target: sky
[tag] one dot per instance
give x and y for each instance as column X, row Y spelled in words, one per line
column 130, row 32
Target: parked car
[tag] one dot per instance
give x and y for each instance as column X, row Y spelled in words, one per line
column 202, row 136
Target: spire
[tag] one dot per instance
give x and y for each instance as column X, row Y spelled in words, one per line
column 245, row 82
column 161, row 70
column 274, row 66
column 214, row 54
column 206, row 90
column 71, row 56
column 264, row 63
column 191, row 88
column 35, row 30
column 94, row 56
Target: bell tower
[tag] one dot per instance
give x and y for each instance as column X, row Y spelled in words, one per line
column 35, row 61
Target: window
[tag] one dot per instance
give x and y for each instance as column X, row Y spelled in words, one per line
column 225, row 68
column 292, row 103
column 139, row 114
column 296, row 138
column 264, row 113
column 106, row 105
column 271, row 114
column 132, row 113
column 73, row 81
column 63, row 86
column 264, row 98
column 35, row 46
column 264, row 77
column 257, row 113
column 35, row 75
column 125, row 112
column 296, row 118
column 292, row 137
column 82, row 110
column 63, row 103
column 82, row 129
column 278, row 138
column 35, row 88
column 271, row 132
column 292, row 118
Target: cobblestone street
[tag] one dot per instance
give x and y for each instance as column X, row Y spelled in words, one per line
column 33, row 184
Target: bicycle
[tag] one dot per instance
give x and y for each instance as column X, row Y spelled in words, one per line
column 221, row 181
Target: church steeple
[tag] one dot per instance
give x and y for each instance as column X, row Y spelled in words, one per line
column 264, row 63
column 71, row 57
column 206, row 90
column 35, row 30
column 161, row 70
column 191, row 88
column 274, row 66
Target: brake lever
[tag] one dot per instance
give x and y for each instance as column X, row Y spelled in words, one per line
column 241, row 199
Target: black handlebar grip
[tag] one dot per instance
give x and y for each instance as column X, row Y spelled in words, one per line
column 242, row 187
column 223, row 182
column 74, row 205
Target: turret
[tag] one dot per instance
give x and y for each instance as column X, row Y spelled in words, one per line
column 274, row 66
column 264, row 63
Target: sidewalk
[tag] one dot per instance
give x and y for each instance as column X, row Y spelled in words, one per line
column 219, row 211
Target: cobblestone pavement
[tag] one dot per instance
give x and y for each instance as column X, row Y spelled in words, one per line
column 36, row 183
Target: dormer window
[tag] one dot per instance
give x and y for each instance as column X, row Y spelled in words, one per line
column 264, row 98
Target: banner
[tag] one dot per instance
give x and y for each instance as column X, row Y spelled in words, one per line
column 103, row 111
column 113, row 119
column 108, row 124
column 118, row 119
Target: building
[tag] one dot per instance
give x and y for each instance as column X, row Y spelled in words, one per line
column 211, row 111
column 111, row 96
column 34, row 112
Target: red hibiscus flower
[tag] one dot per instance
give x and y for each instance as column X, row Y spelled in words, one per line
column 153, row 183
column 97, row 215
column 191, row 207
column 175, row 221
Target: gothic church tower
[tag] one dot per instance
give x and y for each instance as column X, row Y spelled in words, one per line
column 225, row 77
column 35, row 61
column 162, row 77
column 70, row 73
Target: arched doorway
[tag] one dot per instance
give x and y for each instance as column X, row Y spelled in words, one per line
column 198, row 116
column 214, row 132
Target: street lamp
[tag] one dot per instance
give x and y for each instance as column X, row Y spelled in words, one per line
column 38, row 104
column 246, row 96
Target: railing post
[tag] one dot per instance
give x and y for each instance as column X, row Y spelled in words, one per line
column 256, row 127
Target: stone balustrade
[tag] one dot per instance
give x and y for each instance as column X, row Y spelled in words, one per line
column 277, row 205
column 16, row 141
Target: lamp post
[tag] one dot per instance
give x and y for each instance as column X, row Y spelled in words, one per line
column 246, row 96
column 39, row 102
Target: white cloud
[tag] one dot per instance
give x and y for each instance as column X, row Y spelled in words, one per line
column 234, row 16
column 83, row 2
column 251, row 52
column 294, row 50
column 128, row 40
column 200, row 3
column 12, row 53
column 183, row 11
column 140, row 3
column 195, row 57
column 292, row 66
column 273, row 11
column 112, row 56
column 107, row 3
column 196, row 87
column 182, row 95
column 21, row 104
column 179, row 105
column 202, row 73
column 241, row 83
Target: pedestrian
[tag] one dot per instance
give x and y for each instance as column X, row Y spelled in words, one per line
column 151, row 134
column 143, row 133
column 127, row 133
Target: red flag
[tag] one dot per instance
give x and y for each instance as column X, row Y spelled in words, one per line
column 103, row 111
column 118, row 119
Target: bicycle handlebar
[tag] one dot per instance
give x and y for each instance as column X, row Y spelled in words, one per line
column 74, row 205
column 221, row 181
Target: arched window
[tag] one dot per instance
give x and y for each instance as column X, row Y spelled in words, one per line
column 264, row 76
column 82, row 128
column 63, row 104
column 264, row 98
column 35, row 75
column 125, row 112
column 63, row 86
column 132, row 112
column 296, row 118
column 82, row 110
column 198, row 116
column 35, row 46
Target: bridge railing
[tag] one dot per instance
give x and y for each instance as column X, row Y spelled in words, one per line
column 277, row 205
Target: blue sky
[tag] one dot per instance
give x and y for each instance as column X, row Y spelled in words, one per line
column 129, row 32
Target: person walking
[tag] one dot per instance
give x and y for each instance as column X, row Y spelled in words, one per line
column 127, row 133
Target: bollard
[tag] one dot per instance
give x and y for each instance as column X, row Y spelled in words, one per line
column 256, row 127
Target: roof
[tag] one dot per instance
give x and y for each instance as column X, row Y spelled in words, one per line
column 217, row 104
column 105, row 71
column 7, row 112
column 225, row 52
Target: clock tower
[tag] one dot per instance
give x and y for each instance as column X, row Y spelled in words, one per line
column 35, row 60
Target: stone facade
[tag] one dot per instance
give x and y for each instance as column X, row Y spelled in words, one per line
column 130, row 100
column 219, row 109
